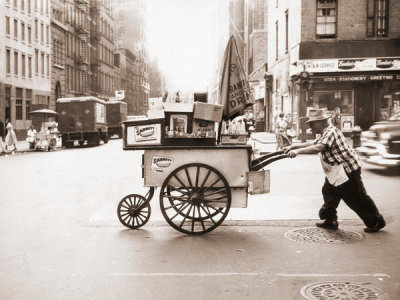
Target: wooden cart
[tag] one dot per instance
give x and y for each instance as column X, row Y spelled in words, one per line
column 198, row 184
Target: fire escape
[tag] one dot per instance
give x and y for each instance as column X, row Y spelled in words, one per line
column 95, row 37
column 81, row 56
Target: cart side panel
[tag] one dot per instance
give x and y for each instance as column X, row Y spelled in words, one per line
column 233, row 164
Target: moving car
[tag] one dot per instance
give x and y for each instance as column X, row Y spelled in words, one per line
column 380, row 145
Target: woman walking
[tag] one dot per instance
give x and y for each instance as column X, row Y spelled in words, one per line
column 11, row 138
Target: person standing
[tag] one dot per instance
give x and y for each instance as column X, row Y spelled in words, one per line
column 290, row 133
column 31, row 137
column 342, row 168
column 11, row 138
column 249, row 122
column 336, row 119
column 2, row 147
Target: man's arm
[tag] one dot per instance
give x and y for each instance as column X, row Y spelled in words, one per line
column 311, row 149
column 298, row 146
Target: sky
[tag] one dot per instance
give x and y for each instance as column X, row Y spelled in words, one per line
column 180, row 34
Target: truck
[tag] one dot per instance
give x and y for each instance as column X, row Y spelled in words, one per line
column 116, row 114
column 82, row 119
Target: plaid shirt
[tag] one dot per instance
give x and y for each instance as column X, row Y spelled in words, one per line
column 337, row 150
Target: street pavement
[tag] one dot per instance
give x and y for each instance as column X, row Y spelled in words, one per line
column 61, row 238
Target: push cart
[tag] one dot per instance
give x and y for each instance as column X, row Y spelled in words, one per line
column 198, row 184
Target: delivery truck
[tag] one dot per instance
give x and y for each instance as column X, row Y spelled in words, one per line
column 116, row 114
column 82, row 119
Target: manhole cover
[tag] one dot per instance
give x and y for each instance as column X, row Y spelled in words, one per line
column 340, row 291
column 322, row 236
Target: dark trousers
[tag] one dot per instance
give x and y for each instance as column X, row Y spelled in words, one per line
column 354, row 195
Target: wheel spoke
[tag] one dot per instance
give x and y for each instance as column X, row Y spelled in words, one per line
column 179, row 180
column 201, row 219
column 178, row 190
column 216, row 200
column 180, row 210
column 184, row 218
column 174, row 205
column 175, row 197
column 188, row 178
column 221, row 190
column 197, row 176
column 205, row 179
column 208, row 214
column 209, row 187
column 193, row 219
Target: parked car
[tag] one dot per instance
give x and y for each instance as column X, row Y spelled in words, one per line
column 380, row 145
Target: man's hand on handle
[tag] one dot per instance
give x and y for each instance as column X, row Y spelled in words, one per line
column 290, row 151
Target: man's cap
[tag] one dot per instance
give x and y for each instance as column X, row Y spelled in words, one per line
column 317, row 115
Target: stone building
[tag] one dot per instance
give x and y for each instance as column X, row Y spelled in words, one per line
column 131, row 34
column 25, row 51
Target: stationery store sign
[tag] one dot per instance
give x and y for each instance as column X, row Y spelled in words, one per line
column 358, row 78
column 351, row 64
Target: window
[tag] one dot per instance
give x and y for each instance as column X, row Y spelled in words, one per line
column 36, row 4
column 30, row 66
column 287, row 31
column 15, row 29
column 23, row 71
column 28, row 101
column 36, row 29
column 276, row 40
column 41, row 6
column 15, row 63
column 8, row 31
column 47, row 34
column 15, row 4
column 48, row 65
column 42, row 64
column 41, row 33
column 22, row 5
column 326, row 19
column 29, row 6
column 29, row 35
column 36, row 61
column 23, row 32
column 18, row 103
column 377, row 18
column 8, row 61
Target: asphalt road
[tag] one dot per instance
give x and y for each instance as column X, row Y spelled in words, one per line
column 61, row 239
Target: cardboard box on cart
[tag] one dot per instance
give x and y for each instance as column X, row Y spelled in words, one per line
column 208, row 111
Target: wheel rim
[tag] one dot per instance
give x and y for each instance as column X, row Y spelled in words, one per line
column 134, row 211
column 195, row 198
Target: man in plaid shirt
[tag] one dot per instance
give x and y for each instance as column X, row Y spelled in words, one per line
column 335, row 150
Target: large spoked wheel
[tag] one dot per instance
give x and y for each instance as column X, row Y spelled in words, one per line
column 134, row 211
column 195, row 198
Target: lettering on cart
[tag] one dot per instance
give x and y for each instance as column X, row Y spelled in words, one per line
column 160, row 163
column 145, row 133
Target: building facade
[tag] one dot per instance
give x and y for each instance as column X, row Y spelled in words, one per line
column 103, row 74
column 58, row 37
column 131, row 35
column 25, row 49
column 77, row 46
column 330, row 53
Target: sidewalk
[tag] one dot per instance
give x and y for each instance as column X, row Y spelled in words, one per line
column 22, row 147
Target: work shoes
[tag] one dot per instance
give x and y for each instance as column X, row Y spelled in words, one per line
column 328, row 224
column 378, row 226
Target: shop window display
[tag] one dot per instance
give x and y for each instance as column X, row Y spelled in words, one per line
column 328, row 100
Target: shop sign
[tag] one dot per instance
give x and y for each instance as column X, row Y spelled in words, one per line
column 359, row 78
column 349, row 64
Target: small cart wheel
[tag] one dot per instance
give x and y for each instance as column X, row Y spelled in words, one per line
column 195, row 198
column 134, row 211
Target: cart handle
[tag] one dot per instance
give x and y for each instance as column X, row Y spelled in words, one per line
column 267, row 162
column 264, row 157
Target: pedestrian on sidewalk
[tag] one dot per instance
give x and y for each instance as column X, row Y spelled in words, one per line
column 336, row 119
column 280, row 132
column 11, row 138
column 31, row 137
column 342, row 168
column 2, row 146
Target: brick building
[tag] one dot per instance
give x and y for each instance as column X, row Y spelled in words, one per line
column 25, row 51
column 58, row 34
column 328, row 53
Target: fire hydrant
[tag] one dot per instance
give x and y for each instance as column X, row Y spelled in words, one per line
column 356, row 136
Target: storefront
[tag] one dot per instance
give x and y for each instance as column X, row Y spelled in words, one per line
column 365, row 90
